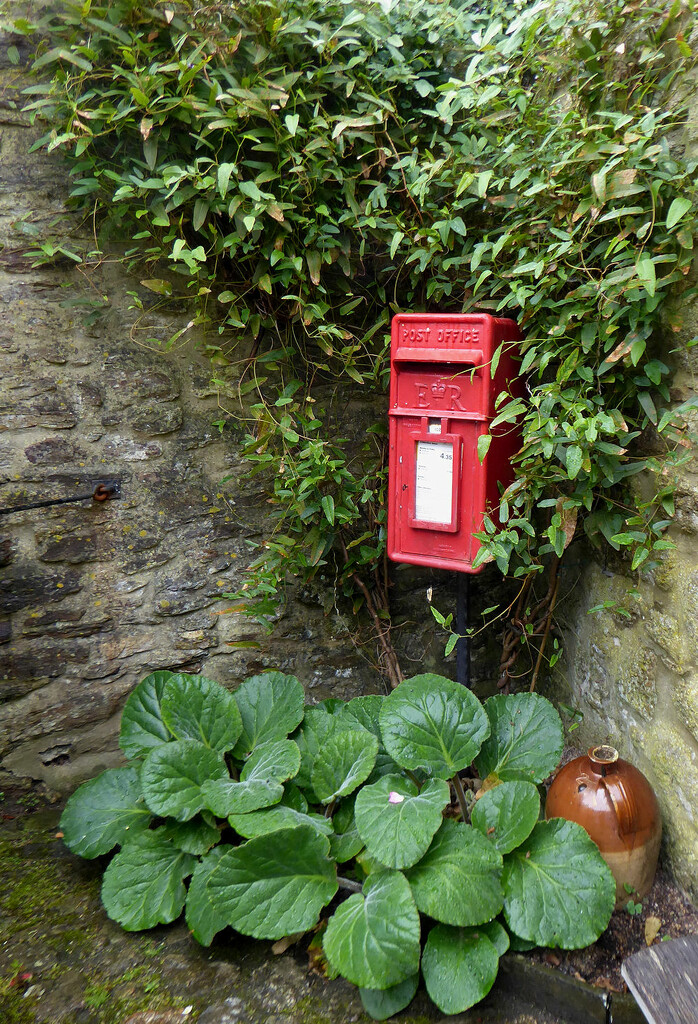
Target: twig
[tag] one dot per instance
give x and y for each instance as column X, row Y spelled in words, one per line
column 347, row 883
column 460, row 793
column 548, row 621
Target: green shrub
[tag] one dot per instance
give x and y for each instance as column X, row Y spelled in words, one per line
column 309, row 167
column 216, row 792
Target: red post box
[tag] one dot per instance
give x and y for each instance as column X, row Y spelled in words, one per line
column 442, row 398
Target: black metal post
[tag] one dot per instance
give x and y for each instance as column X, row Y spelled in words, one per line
column 463, row 643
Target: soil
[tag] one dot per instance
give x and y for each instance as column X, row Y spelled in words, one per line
column 665, row 914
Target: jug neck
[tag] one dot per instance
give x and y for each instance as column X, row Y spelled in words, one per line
column 602, row 759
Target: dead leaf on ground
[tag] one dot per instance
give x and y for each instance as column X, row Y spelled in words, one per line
column 283, row 944
column 652, row 926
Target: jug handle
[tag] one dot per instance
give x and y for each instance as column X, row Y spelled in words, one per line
column 624, row 804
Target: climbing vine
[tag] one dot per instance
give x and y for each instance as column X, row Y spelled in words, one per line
column 299, row 170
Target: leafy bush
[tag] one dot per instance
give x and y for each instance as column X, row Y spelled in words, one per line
column 217, row 792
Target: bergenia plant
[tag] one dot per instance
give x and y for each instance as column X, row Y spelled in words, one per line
column 270, row 809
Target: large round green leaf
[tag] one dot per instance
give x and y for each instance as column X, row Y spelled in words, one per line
column 373, row 937
column 458, row 879
column 526, row 738
column 558, row 890
column 196, row 708
column 459, row 967
column 195, row 836
column 276, row 759
column 345, row 760
column 507, row 814
column 260, row 783
column 107, row 810
column 271, row 819
column 172, row 776
column 203, row 918
column 318, row 725
column 271, row 706
column 397, row 821
column 433, row 723
column 381, row 1003
column 142, row 726
column 365, row 711
column 143, row 884
column 275, row 885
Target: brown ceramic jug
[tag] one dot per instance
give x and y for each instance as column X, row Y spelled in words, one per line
column 616, row 805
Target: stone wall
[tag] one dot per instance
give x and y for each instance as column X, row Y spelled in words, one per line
column 632, row 670
column 93, row 596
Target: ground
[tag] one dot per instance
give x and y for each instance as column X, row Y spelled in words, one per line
column 62, row 961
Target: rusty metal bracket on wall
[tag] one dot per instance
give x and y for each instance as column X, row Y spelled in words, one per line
column 105, row 490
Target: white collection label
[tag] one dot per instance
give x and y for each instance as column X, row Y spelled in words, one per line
column 434, row 483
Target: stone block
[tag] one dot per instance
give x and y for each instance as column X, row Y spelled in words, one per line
column 685, row 697
column 637, row 680
column 129, row 384
column 73, row 548
column 156, row 418
column 25, row 586
column 673, row 771
column 7, row 550
column 54, row 451
column 669, row 636
column 127, row 450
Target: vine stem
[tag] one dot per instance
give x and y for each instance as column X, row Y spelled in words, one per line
column 347, row 883
column 548, row 622
column 460, row 793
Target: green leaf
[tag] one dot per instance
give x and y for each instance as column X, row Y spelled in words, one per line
column 248, row 188
column 143, row 885
column 458, row 879
column 497, row 934
column 318, row 725
column 433, row 723
column 574, row 460
column 373, row 937
column 271, row 706
column 507, row 814
column 395, row 243
column 196, row 836
column 558, row 890
column 526, row 737
column 647, row 274
column 397, row 821
column 459, row 967
column 225, row 796
column 196, row 708
column 648, row 407
column 345, row 841
column 268, row 766
column 365, row 711
column 483, row 446
column 142, row 727
column 107, row 810
column 383, row 1003
column 203, row 918
column 678, row 208
column 172, row 776
column 223, row 176
column 345, row 760
column 327, row 504
column 271, row 819
column 272, row 887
